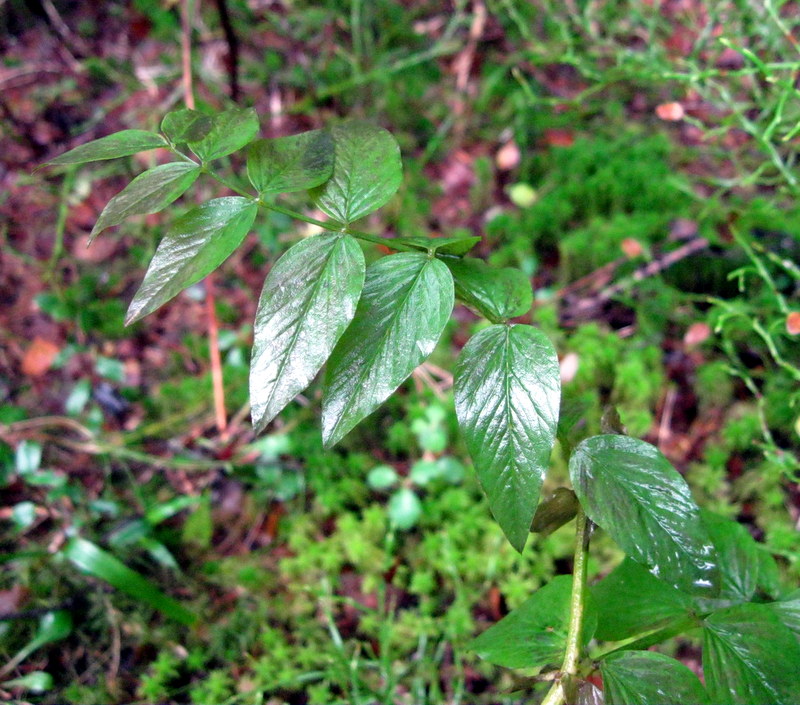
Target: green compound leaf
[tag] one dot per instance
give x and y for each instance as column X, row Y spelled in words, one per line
column 186, row 125
column 405, row 305
column 293, row 163
column 230, row 130
column 629, row 489
column 367, row 172
column 507, row 389
column 750, row 658
column 120, row 144
column 648, row 678
column 308, row 300
column 195, row 246
column 788, row 611
column 93, row 560
column 149, row 192
column 497, row 294
column 630, row 600
column 534, row 634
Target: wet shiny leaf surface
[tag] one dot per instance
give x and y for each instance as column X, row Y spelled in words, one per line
column 507, row 390
column 407, row 300
column 120, row 144
column 648, row 678
column 749, row 657
column 308, row 300
column 149, row 192
column 630, row 489
column 195, row 246
column 367, row 172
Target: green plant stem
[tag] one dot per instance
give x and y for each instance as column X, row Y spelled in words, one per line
column 569, row 667
column 330, row 225
column 640, row 643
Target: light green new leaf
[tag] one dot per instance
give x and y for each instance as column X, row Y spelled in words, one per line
column 293, row 163
column 194, row 247
column 230, row 130
column 149, row 192
column 404, row 509
column 53, row 626
column 507, row 389
column 405, row 305
column 750, row 658
column 534, row 634
column 34, row 682
column 630, row 489
column 120, row 144
column 648, row 678
column 630, row 600
column 95, row 561
column 186, row 125
column 498, row 294
column 308, row 300
column 366, row 173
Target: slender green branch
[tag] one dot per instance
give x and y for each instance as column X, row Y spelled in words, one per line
column 331, row 225
column 569, row 667
column 648, row 639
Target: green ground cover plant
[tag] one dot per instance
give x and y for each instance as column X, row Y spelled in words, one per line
column 686, row 570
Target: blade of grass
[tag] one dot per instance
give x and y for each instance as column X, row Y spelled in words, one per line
column 93, row 560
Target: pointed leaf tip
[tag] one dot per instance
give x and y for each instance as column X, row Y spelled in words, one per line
column 120, row 144
column 507, row 392
column 367, row 172
column 149, row 192
column 195, row 246
column 308, row 300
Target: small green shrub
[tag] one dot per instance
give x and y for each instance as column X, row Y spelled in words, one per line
column 685, row 569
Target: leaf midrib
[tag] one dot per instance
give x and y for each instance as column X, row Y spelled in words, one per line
column 381, row 338
column 313, row 293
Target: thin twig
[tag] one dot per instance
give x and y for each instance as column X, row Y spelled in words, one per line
column 216, row 359
column 233, row 48
column 211, row 307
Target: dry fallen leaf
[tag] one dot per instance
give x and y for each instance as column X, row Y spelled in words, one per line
column 507, row 156
column 556, row 137
column 568, row 367
column 631, row 247
column 793, row 323
column 39, row 357
column 670, row 111
column 697, row 333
